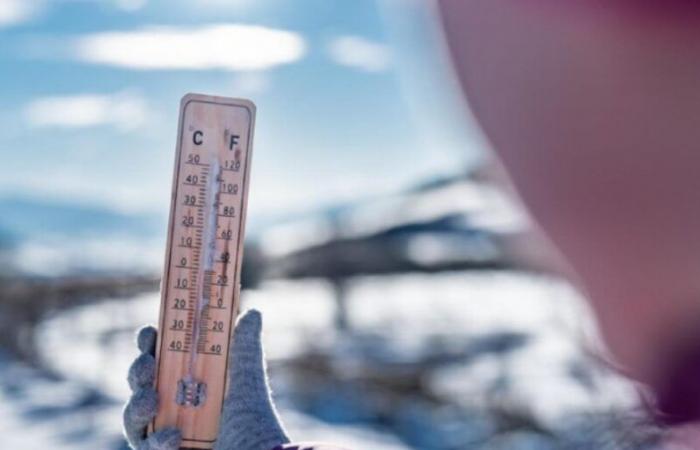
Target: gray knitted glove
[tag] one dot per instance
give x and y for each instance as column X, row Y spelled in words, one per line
column 249, row 420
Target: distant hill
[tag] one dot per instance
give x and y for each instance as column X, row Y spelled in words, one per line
column 23, row 218
column 448, row 222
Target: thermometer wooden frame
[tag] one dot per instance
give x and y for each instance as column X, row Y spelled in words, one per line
column 200, row 288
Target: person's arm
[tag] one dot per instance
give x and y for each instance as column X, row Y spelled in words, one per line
column 249, row 420
column 593, row 107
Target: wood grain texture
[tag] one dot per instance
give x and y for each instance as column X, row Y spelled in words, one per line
column 200, row 299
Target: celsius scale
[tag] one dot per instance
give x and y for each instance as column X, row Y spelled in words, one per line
column 200, row 288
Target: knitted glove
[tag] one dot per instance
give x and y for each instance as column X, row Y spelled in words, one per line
column 249, row 420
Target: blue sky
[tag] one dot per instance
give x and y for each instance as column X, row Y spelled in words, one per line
column 354, row 97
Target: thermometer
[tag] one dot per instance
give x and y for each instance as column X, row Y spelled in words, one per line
column 200, row 288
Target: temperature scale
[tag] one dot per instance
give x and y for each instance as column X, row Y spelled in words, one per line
column 200, row 289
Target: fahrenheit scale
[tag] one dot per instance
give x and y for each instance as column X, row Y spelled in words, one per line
column 201, row 281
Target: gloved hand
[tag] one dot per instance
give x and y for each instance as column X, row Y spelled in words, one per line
column 249, row 420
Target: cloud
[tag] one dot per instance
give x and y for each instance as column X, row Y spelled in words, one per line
column 123, row 111
column 360, row 53
column 225, row 47
column 13, row 12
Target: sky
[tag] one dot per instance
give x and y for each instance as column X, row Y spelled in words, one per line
column 354, row 98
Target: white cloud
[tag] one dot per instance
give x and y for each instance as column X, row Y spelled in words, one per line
column 13, row 12
column 124, row 111
column 226, row 47
column 359, row 53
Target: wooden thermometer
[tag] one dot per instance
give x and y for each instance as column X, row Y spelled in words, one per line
column 200, row 288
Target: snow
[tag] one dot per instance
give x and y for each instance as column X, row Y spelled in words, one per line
column 399, row 319
column 38, row 412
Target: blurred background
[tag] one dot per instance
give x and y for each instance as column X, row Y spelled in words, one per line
column 400, row 311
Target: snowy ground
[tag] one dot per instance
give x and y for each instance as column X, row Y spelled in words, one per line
column 404, row 318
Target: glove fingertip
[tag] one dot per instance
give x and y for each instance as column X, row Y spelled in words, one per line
column 146, row 340
column 246, row 347
column 250, row 323
column 247, row 362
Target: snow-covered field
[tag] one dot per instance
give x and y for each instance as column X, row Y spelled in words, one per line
column 395, row 321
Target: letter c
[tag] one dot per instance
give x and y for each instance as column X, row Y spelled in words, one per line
column 197, row 137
